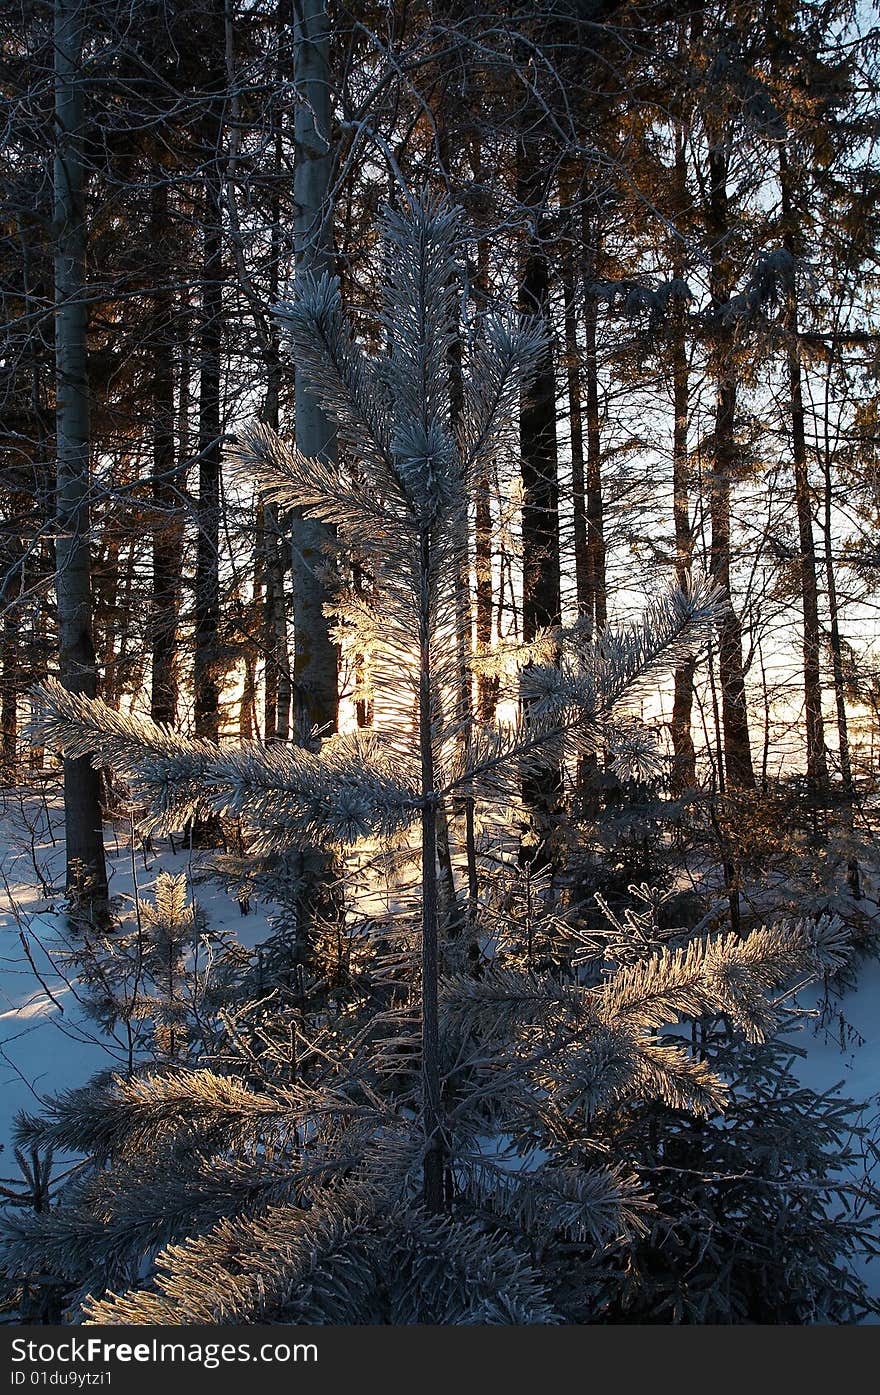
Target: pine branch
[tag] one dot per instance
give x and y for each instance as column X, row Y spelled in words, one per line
column 244, row 1270
column 599, row 1206
column 150, row 1112
column 167, row 771
column 322, row 489
column 341, row 375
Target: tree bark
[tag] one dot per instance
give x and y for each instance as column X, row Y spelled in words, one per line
column 316, row 661
column 86, row 869
column 575, row 417
column 433, row 1166
column 836, row 647
column 586, row 486
column 734, row 712
column 10, row 596
column 817, row 766
column 684, row 771
column 168, row 525
column 487, row 683
column 538, row 449
column 206, row 663
column 541, row 605
column 684, row 756
column 276, row 551
column 277, row 699
column 597, row 602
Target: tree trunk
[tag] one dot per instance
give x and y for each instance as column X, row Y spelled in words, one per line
column 684, row 772
column 541, row 605
column 207, row 668
column 586, row 500
column 487, row 683
column 734, row 711
column 277, row 683
column 316, row 661
column 817, row 766
column 167, row 528
column 538, row 448
column 278, row 690
column 11, row 592
column 836, row 647
column 86, row 870
column 108, row 610
column 597, row 599
column 575, row 417
column 684, row 756
column 433, row 1167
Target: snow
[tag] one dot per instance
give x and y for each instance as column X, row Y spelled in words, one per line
column 843, row 1047
column 48, row 1044
column 47, row 1041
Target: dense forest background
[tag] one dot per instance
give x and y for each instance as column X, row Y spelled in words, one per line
column 571, row 305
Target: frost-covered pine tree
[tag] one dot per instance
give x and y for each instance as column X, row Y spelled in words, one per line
column 426, row 1145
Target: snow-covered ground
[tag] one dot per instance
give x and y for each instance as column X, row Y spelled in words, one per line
column 843, row 1046
column 48, row 1043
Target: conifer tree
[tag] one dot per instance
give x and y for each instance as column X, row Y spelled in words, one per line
column 421, row 1141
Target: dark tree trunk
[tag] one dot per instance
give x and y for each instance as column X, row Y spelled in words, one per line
column 836, row 647
column 684, row 773
column 538, row 448
column 586, row 497
column 684, row 768
column 541, row 605
column 316, row 660
column 817, row 766
column 575, row 417
column 433, row 1167
column 206, row 664
column 487, row 683
column 86, row 870
column 168, row 526
column 10, row 597
column 278, row 686
column 734, row 712
column 276, row 551
column 597, row 600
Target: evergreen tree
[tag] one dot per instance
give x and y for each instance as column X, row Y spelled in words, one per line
column 431, row 1139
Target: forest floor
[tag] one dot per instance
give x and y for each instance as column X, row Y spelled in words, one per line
column 49, row 1043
